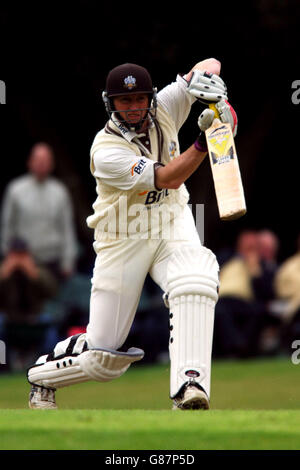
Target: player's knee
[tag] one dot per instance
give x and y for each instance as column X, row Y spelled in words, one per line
column 97, row 340
column 193, row 270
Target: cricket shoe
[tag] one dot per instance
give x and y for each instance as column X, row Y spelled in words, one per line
column 42, row 398
column 191, row 398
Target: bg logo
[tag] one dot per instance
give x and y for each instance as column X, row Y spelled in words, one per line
column 295, row 356
column 2, row 352
column 2, row 92
column 296, row 94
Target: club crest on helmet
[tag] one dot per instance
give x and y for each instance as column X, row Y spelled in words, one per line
column 130, row 82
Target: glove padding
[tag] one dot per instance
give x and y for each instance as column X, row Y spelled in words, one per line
column 226, row 112
column 207, row 87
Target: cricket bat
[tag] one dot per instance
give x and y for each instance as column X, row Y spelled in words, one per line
column 225, row 169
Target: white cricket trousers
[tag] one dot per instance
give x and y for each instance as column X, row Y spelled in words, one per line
column 120, row 270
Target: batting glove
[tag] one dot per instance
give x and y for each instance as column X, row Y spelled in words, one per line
column 226, row 112
column 207, row 87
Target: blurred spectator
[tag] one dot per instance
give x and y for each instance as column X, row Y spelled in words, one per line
column 268, row 245
column 37, row 208
column 23, row 284
column 266, row 262
column 246, row 288
column 287, row 285
column 24, row 288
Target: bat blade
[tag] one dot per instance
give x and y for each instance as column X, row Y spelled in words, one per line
column 225, row 170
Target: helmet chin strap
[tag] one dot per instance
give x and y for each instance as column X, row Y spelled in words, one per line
column 138, row 125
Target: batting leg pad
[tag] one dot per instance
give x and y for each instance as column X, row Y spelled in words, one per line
column 101, row 365
column 192, row 280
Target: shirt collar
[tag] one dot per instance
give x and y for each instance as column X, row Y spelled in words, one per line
column 119, row 127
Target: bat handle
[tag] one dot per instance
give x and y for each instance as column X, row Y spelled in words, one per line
column 213, row 107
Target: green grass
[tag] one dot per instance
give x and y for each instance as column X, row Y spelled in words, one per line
column 255, row 405
column 138, row 429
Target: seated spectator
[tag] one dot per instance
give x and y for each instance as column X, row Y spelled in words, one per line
column 246, row 282
column 24, row 288
column 37, row 208
column 287, row 286
column 268, row 245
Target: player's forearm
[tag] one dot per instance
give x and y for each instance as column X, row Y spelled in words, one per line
column 177, row 171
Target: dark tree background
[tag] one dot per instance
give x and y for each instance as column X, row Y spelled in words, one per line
column 54, row 60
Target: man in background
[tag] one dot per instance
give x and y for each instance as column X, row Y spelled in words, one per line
column 37, row 209
column 246, row 290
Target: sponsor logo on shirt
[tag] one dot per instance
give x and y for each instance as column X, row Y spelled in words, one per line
column 153, row 197
column 122, row 128
column 138, row 167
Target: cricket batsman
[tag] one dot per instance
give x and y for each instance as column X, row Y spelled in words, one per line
column 142, row 224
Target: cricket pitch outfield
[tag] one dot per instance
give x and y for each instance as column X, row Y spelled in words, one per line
column 255, row 405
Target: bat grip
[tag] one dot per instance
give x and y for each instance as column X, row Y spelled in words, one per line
column 213, row 107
